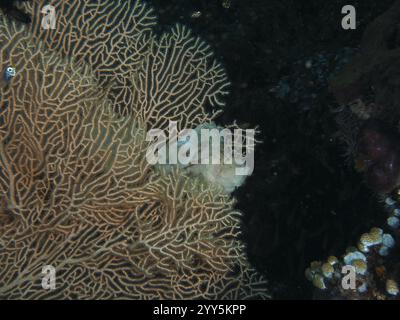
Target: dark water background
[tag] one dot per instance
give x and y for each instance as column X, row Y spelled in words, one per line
column 303, row 201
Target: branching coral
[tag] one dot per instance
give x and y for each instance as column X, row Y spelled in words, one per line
column 76, row 190
column 157, row 79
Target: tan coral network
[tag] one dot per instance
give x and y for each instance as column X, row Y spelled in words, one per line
column 76, row 190
column 156, row 78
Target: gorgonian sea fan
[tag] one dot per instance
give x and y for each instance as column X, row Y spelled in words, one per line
column 158, row 79
column 76, row 190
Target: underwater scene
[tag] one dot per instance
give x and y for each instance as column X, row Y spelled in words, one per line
column 199, row 150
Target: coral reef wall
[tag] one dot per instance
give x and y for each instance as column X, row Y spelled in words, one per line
column 367, row 91
column 76, row 190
